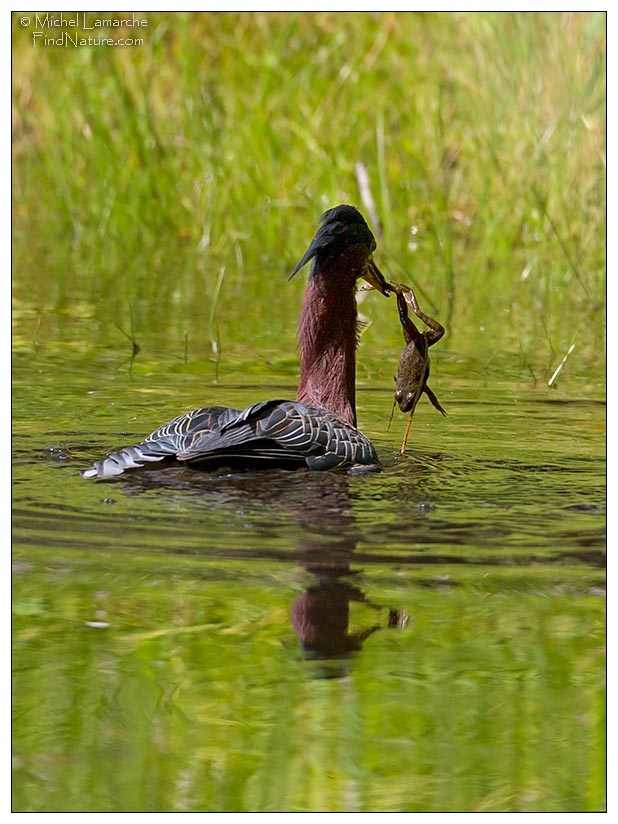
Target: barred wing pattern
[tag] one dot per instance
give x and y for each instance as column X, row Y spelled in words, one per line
column 164, row 443
column 283, row 432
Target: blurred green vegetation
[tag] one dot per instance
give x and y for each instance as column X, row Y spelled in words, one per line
column 174, row 184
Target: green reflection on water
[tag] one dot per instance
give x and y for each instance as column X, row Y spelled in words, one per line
column 189, row 691
column 172, row 629
column 428, row 638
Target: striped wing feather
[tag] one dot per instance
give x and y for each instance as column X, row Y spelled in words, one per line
column 281, row 431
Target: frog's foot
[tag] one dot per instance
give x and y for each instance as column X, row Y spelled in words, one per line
column 433, row 399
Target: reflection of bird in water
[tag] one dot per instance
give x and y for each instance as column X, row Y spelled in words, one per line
column 288, row 518
column 321, row 615
column 318, row 429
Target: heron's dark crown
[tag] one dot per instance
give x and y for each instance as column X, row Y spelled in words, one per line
column 343, row 214
column 341, row 229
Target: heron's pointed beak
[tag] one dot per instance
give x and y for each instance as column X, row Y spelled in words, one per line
column 323, row 236
column 311, row 252
column 375, row 278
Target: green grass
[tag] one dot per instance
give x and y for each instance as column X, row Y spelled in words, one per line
column 143, row 173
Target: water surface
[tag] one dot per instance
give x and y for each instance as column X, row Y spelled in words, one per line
column 430, row 637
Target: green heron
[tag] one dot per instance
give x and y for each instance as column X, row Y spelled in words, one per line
column 318, row 429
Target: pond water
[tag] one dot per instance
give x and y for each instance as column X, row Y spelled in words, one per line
column 426, row 638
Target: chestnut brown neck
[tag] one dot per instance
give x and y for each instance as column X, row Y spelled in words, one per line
column 327, row 337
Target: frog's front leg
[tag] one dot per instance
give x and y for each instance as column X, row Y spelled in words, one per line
column 435, row 402
column 410, row 332
column 437, row 330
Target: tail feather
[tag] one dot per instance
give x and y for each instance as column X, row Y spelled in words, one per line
column 132, row 457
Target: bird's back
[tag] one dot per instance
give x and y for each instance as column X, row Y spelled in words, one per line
column 270, row 433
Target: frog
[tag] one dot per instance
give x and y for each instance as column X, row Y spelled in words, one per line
column 413, row 370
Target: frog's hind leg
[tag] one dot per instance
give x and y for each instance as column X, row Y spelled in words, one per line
column 437, row 330
column 402, row 451
column 410, row 332
column 433, row 399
